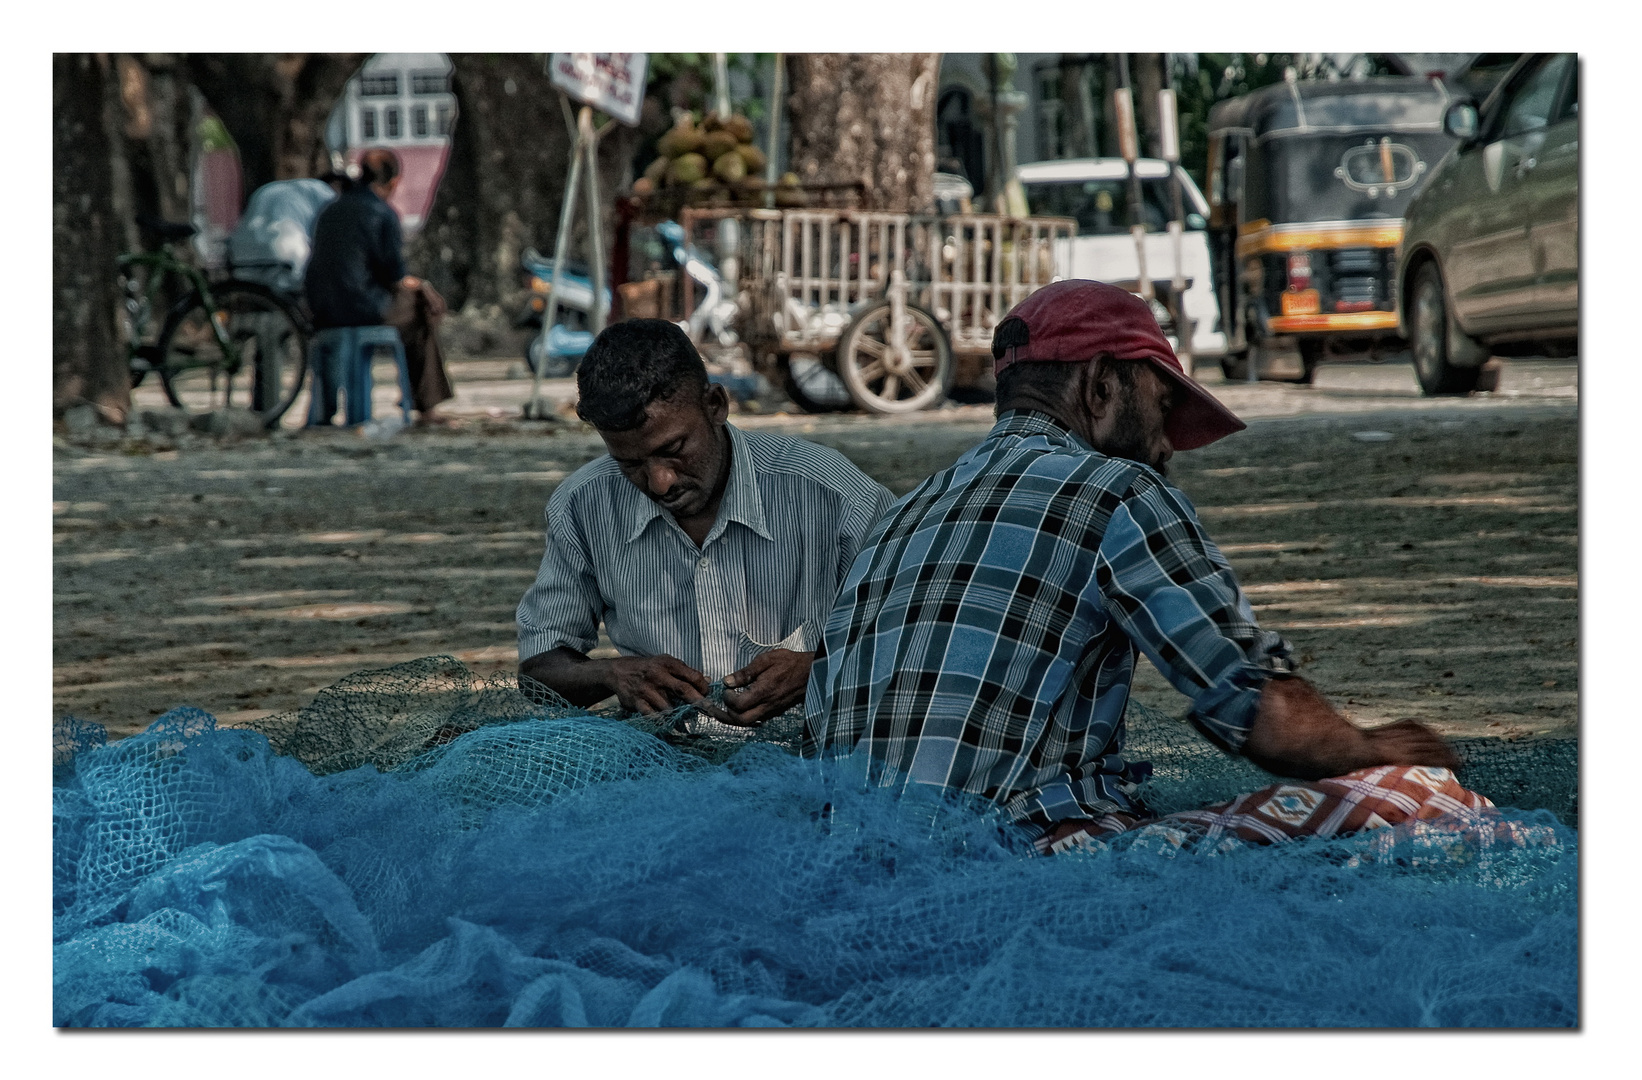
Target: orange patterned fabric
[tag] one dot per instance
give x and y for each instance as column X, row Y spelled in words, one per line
column 1366, row 799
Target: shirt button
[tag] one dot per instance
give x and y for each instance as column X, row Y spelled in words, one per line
column 702, row 565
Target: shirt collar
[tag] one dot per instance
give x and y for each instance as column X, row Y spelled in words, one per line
column 742, row 500
column 1028, row 422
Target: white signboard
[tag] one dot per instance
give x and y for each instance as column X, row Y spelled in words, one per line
column 610, row 82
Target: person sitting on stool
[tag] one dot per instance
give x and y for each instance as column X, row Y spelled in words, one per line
column 356, row 277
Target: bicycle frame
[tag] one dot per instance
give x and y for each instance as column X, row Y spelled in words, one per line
column 164, row 263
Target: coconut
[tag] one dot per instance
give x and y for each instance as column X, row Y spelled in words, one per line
column 643, row 186
column 711, row 122
column 715, row 144
column 679, row 141
column 687, row 169
column 753, row 156
column 729, row 167
column 657, row 172
column 740, row 127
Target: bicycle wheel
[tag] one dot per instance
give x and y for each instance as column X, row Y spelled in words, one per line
column 261, row 369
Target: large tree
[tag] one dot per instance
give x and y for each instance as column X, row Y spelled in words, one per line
column 86, row 234
column 866, row 118
column 275, row 106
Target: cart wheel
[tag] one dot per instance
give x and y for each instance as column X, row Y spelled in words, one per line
column 876, row 380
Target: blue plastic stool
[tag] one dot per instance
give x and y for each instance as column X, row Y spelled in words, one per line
column 341, row 360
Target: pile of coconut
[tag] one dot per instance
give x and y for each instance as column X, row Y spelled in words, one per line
column 717, row 158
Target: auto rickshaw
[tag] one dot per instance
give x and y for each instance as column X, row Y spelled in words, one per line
column 1307, row 186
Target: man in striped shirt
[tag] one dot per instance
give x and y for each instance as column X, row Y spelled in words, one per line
column 709, row 553
column 985, row 638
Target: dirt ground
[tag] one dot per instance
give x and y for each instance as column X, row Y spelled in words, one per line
column 1421, row 555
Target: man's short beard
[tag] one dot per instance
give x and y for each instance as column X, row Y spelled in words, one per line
column 1129, row 435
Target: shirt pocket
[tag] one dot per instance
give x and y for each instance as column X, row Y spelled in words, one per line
column 749, row 646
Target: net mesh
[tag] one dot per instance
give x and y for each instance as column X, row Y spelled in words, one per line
column 421, row 847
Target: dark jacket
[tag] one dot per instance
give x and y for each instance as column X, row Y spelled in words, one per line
column 356, row 261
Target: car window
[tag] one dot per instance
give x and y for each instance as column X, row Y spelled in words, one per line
column 1530, row 106
column 1570, row 102
column 1101, row 207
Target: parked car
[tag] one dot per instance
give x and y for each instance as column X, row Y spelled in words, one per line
column 1095, row 192
column 1489, row 260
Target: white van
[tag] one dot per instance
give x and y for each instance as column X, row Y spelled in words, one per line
column 1095, row 192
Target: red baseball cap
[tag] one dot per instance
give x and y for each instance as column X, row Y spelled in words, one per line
column 1077, row 320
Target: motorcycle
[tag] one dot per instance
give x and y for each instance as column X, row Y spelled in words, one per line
column 556, row 350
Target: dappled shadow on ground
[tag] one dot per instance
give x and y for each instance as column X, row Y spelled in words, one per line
column 1431, row 574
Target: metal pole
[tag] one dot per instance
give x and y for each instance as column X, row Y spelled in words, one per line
column 1169, row 120
column 729, row 233
column 774, row 140
column 1129, row 142
column 589, row 143
column 534, row 408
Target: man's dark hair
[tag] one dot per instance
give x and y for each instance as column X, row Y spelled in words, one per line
column 631, row 365
column 1052, row 380
column 378, row 165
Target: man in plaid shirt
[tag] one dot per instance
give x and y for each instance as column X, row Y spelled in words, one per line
column 985, row 637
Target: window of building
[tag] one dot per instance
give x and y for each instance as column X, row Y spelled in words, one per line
column 429, row 82
column 367, row 123
column 419, row 121
column 444, row 114
column 379, row 85
column 390, row 121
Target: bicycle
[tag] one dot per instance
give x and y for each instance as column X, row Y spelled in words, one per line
column 221, row 344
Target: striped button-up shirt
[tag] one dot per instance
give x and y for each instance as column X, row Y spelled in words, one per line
column 985, row 638
column 791, row 521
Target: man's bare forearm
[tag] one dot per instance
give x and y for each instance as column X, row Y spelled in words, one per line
column 1298, row 733
column 574, row 676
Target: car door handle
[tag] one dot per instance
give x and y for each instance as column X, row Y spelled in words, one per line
column 1527, row 165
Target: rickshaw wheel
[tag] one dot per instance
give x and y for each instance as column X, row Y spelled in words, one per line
column 867, row 365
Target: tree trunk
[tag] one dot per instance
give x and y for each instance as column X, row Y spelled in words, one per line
column 158, row 114
column 1147, row 69
column 1078, row 106
column 866, row 118
column 501, row 193
column 1111, row 84
column 275, row 106
column 88, row 364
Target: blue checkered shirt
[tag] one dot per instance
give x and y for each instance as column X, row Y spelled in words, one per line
column 985, row 638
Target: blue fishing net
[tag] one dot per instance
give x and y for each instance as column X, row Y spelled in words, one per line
column 419, row 847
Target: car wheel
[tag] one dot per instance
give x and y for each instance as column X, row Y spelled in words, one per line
column 1429, row 330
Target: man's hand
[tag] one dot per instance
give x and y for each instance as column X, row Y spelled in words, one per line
column 773, row 683
column 653, row 684
column 1297, row 733
column 643, row 684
